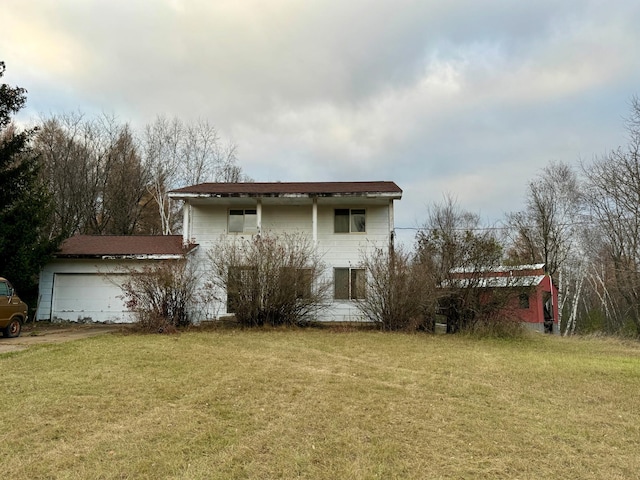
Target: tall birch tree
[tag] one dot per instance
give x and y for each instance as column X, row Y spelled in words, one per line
column 178, row 154
column 613, row 197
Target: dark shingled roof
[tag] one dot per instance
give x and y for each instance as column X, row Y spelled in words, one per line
column 257, row 189
column 122, row 245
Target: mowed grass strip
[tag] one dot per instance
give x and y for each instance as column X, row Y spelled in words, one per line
column 320, row 404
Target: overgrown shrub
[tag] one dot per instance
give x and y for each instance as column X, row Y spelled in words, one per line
column 487, row 311
column 399, row 292
column 269, row 279
column 161, row 295
column 495, row 325
column 461, row 255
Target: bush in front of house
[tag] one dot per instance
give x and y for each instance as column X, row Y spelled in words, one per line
column 161, row 295
column 269, row 279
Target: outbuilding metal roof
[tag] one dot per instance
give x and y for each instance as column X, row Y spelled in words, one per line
column 497, row 282
column 499, row 276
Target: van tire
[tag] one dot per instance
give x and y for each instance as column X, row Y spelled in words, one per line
column 13, row 329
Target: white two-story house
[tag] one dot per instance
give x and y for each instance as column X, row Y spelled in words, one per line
column 343, row 219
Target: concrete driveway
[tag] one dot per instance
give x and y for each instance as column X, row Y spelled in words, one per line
column 37, row 335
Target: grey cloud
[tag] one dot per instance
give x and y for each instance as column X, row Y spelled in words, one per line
column 435, row 95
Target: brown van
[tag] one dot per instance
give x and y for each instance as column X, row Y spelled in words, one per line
column 13, row 311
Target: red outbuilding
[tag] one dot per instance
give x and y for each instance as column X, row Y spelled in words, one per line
column 531, row 295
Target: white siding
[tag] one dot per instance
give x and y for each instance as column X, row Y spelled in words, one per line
column 286, row 218
column 209, row 225
column 345, row 250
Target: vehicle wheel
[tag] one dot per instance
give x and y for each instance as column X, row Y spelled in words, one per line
column 13, row 329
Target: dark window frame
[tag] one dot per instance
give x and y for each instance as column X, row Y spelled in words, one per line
column 354, row 286
column 353, row 216
column 302, row 279
column 243, row 213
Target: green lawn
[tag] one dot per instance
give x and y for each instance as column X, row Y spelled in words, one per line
column 321, row 404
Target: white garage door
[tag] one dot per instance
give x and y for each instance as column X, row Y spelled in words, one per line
column 89, row 297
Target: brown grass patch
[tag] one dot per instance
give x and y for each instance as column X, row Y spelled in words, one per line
column 315, row 403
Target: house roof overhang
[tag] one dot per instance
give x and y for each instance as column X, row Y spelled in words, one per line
column 289, row 190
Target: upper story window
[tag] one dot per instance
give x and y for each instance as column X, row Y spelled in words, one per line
column 243, row 221
column 349, row 220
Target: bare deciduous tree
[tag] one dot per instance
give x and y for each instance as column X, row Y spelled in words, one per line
column 613, row 196
column 65, row 145
column 93, row 170
column 163, row 160
column 178, row 154
column 548, row 231
column 452, row 240
column 399, row 291
column 105, row 180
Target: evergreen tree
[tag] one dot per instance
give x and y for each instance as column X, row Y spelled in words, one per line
column 24, row 203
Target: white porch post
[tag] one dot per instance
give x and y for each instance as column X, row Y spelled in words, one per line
column 186, row 227
column 391, row 225
column 259, row 216
column 314, row 220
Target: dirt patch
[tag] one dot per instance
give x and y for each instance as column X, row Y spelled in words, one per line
column 46, row 333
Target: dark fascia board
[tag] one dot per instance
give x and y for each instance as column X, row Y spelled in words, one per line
column 292, row 190
column 188, row 195
column 129, row 256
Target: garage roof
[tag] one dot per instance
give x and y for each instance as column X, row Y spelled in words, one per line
column 124, row 246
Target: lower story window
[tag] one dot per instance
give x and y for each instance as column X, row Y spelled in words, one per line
column 299, row 280
column 241, row 286
column 349, row 283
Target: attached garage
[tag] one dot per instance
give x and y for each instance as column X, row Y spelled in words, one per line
column 82, row 282
column 89, row 297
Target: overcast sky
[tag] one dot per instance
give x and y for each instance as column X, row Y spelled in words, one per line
column 470, row 98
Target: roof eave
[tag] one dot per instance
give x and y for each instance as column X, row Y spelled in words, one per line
column 189, row 196
column 100, row 256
